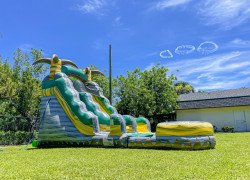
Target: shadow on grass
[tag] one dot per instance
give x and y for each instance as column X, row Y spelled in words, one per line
column 114, row 148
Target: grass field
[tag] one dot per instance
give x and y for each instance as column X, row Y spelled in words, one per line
column 229, row 160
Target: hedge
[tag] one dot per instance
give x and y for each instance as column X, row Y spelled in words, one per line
column 227, row 129
column 15, row 138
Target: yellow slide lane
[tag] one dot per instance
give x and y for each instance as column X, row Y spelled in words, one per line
column 103, row 109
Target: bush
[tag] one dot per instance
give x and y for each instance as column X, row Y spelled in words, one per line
column 215, row 128
column 228, row 129
column 14, row 138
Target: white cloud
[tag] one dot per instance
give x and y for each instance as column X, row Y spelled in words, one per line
column 92, row 7
column 117, row 21
column 151, row 54
column 184, row 49
column 233, row 84
column 245, row 72
column 211, row 64
column 225, row 13
column 205, row 76
column 207, row 47
column 223, row 71
column 166, row 54
column 239, row 43
column 163, row 4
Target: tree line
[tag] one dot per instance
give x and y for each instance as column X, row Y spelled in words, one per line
column 20, row 92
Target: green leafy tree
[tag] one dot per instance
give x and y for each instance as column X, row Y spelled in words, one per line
column 20, row 90
column 182, row 87
column 8, row 91
column 7, row 86
column 134, row 97
column 146, row 93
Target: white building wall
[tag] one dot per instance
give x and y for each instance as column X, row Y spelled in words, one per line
column 217, row 116
column 247, row 115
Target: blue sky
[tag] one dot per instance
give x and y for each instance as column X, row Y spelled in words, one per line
column 207, row 41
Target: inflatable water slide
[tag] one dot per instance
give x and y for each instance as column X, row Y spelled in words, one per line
column 74, row 112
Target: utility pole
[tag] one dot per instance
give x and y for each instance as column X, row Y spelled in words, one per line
column 110, row 74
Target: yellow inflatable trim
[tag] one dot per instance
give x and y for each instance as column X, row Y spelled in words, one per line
column 142, row 128
column 55, row 67
column 129, row 129
column 115, row 130
column 184, row 129
column 48, row 92
column 104, row 127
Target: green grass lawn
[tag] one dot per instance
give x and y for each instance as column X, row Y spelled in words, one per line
column 229, row 160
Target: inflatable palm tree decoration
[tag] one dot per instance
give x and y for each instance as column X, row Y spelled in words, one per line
column 55, row 64
column 90, row 72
